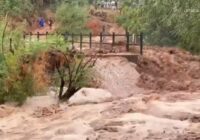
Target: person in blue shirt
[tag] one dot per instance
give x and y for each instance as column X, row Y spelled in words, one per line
column 42, row 22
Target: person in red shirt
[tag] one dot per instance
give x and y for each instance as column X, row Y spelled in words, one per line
column 50, row 23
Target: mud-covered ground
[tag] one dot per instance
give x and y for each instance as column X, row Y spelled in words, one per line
column 142, row 118
column 169, row 69
column 145, row 104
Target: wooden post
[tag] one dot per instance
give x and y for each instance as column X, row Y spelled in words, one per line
column 38, row 36
column 11, row 50
column 81, row 41
column 72, row 40
column 10, row 43
column 141, row 43
column 24, row 36
column 90, row 36
column 127, row 41
column 101, row 39
column 113, row 39
column 47, row 35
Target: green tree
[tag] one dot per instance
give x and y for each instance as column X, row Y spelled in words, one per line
column 164, row 22
column 14, row 87
column 16, row 8
column 71, row 19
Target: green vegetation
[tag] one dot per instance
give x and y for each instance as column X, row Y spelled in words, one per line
column 16, row 8
column 164, row 22
column 14, row 85
column 72, row 18
column 74, row 74
column 17, row 80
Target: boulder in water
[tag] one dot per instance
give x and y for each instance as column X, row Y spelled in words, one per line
column 90, row 95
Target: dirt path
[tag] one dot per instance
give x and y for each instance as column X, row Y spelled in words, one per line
column 44, row 29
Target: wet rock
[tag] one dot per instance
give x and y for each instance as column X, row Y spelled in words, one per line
column 90, row 95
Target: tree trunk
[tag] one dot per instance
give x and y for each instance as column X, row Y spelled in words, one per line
column 62, row 84
column 69, row 93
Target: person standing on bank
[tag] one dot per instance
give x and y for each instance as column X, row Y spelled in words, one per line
column 50, row 23
column 42, row 22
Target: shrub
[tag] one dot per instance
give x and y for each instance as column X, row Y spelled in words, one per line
column 18, row 90
column 15, row 86
column 71, row 19
column 74, row 74
column 3, row 74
